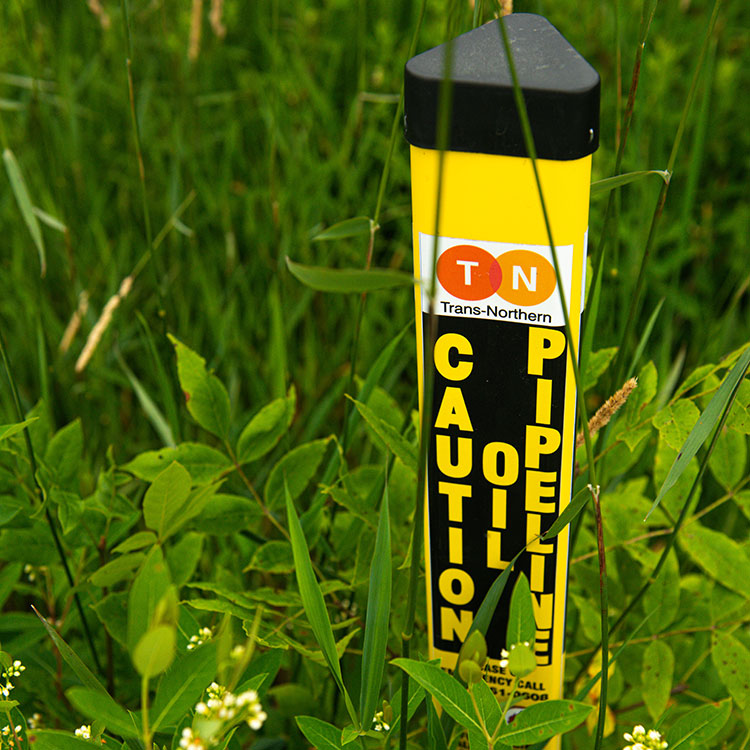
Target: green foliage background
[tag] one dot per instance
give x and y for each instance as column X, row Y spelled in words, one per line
column 250, row 147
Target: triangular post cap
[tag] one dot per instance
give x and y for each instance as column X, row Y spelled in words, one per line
column 560, row 88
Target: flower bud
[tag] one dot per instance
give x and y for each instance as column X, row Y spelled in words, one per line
column 521, row 660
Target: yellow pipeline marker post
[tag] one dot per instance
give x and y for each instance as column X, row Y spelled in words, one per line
column 503, row 418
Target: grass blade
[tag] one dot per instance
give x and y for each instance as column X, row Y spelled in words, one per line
column 18, row 185
column 348, row 280
column 347, row 228
column 645, row 337
column 312, row 600
column 720, row 402
column 378, row 612
column 599, row 187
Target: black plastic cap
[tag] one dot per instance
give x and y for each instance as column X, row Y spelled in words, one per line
column 560, row 88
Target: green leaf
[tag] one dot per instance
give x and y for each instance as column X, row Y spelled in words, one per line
column 732, row 661
column 48, row 739
column 155, row 651
column 699, row 725
column 656, row 677
column 206, row 397
column 165, row 499
column 389, row 435
column 96, row 706
column 348, row 280
column 21, row 192
column 488, row 705
column 72, row 659
column 347, row 228
column 721, row 557
column 728, row 459
column 321, row 734
column 662, row 598
column 149, row 586
column 599, row 187
column 296, row 469
column 447, row 690
column 675, row 422
column 8, row 430
column 712, row 414
column 273, row 557
column 572, row 509
column 204, row 464
column 597, row 363
column 228, row 514
column 183, row 557
column 265, row 429
column 378, row 614
column 435, row 734
column 63, row 454
column 120, row 569
column 112, row 612
column 542, row 721
column 312, row 598
column 182, row 685
column 521, row 622
column 139, row 540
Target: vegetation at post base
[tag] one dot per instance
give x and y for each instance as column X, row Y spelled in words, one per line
column 209, row 453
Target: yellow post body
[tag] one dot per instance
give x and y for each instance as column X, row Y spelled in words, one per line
column 491, row 202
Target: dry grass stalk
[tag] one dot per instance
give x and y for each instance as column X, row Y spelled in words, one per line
column 75, row 322
column 215, row 18
column 608, row 409
column 97, row 9
column 196, row 28
column 103, row 323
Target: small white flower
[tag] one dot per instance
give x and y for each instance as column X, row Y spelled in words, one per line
column 84, row 731
column 34, row 721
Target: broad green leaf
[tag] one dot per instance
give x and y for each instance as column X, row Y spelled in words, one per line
column 729, row 458
column 572, row 509
column 521, row 622
column 542, row 721
column 711, row 415
column 348, row 280
column 63, row 454
column 312, row 597
column 206, row 397
column 678, row 494
column 21, row 192
column 204, row 464
column 699, row 725
column 349, row 734
column 227, row 514
column 296, row 469
column 34, row 545
column 155, row 650
column 139, row 540
column 597, row 363
column 165, row 499
column 182, row 685
column 265, row 429
column 95, row 705
column 347, row 228
column 610, row 183
column 378, row 613
column 675, row 422
column 662, row 597
column 321, row 734
column 435, row 734
column 416, row 696
column 634, row 411
column 721, row 557
column 389, row 435
column 221, row 605
column 183, row 557
column 149, row 586
column 72, row 659
column 732, row 661
column 112, row 612
column 50, row 739
column 8, row 430
column 273, row 557
column 489, row 708
column 120, row 569
column 447, row 690
column 656, row 677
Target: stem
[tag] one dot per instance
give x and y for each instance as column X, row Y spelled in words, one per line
column 505, row 709
column 144, row 713
column 604, row 599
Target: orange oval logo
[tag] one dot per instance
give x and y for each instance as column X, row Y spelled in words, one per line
column 528, row 278
column 468, row 272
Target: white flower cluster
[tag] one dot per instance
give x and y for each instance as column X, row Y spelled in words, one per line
column 34, row 721
column 642, row 740
column 190, row 741
column 204, row 634
column 12, row 734
column 505, row 654
column 379, row 723
column 14, row 670
column 6, row 730
column 84, row 731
